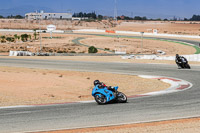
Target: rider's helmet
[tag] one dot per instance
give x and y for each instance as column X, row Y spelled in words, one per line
column 96, row 82
column 177, row 56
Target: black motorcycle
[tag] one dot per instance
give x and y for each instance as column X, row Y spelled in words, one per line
column 183, row 63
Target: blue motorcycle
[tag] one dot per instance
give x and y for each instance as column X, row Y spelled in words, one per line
column 105, row 95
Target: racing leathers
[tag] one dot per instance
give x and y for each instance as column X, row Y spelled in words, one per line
column 180, row 60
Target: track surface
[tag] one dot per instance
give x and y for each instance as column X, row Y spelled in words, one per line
column 51, row 117
column 184, row 104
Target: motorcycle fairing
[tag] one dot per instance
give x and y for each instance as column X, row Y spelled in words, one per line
column 104, row 91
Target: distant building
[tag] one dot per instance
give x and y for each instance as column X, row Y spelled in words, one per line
column 107, row 18
column 42, row 15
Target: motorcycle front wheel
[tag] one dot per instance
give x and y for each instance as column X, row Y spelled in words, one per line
column 121, row 97
column 100, row 99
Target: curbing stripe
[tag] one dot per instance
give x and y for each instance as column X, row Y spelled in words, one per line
column 176, row 85
column 183, row 87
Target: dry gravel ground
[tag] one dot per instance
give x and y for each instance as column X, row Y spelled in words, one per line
column 63, row 43
column 133, row 46
column 23, row 86
column 169, row 27
column 174, row 126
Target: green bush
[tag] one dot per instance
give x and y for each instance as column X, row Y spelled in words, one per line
column 60, row 51
column 10, row 39
column 24, row 37
column 3, row 39
column 107, row 48
column 92, row 49
column 72, row 52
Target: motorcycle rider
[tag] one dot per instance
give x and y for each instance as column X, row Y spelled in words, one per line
column 102, row 85
column 179, row 60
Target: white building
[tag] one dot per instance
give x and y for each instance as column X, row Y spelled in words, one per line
column 42, row 15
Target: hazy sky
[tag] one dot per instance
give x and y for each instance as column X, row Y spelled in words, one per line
column 149, row 8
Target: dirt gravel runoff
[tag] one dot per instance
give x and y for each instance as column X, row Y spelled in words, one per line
column 168, row 27
column 23, row 86
column 63, row 43
column 133, row 45
column 172, row 126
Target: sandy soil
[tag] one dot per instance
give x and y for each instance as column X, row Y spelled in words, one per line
column 134, row 46
column 169, row 27
column 60, row 24
column 174, row 126
column 64, row 44
column 22, row 86
column 61, row 43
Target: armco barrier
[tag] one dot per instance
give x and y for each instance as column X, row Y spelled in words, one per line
column 11, row 30
column 20, row 53
column 153, row 34
column 90, row 30
column 194, row 57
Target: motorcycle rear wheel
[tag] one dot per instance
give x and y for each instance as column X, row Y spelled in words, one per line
column 187, row 66
column 121, row 97
column 100, row 100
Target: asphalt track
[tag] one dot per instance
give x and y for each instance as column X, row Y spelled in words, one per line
column 184, row 104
